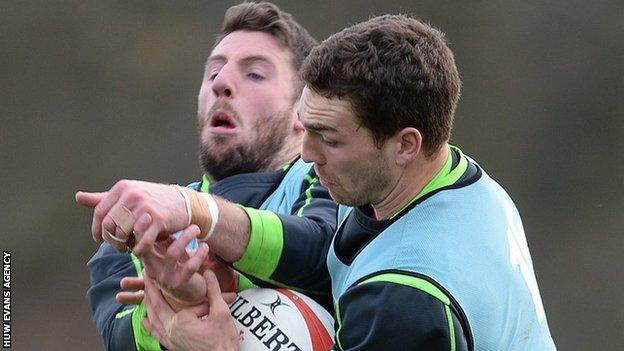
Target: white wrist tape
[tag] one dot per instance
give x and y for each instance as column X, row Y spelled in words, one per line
column 214, row 213
column 187, row 202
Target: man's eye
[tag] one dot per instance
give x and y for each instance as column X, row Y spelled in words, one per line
column 329, row 142
column 213, row 75
column 255, row 76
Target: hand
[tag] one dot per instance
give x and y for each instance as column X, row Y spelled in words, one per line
column 226, row 275
column 192, row 329
column 133, row 291
column 175, row 272
column 117, row 210
column 159, row 312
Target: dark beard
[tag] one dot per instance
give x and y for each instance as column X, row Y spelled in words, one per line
column 255, row 156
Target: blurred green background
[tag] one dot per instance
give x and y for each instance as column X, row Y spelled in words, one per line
column 92, row 92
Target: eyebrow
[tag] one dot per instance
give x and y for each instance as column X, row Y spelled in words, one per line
column 245, row 61
column 215, row 58
column 316, row 127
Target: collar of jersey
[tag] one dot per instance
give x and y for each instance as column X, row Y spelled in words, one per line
column 445, row 177
column 204, row 186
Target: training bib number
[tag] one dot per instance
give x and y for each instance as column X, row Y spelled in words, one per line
column 520, row 258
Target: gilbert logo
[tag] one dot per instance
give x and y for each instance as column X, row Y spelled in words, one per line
column 259, row 319
column 273, row 305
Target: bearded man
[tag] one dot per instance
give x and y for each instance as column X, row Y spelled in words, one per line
column 250, row 141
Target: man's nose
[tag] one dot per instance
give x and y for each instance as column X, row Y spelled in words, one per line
column 224, row 84
column 310, row 149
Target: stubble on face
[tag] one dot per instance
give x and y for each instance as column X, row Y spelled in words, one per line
column 362, row 183
column 262, row 142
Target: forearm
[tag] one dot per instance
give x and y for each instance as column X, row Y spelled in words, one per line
column 231, row 235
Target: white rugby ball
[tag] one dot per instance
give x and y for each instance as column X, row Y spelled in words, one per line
column 281, row 319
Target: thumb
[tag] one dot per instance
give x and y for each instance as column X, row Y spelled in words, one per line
column 89, row 199
column 229, row 297
column 213, row 291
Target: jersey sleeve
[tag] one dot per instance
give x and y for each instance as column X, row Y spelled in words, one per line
column 398, row 314
column 118, row 325
column 289, row 250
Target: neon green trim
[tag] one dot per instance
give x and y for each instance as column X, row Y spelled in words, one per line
column 339, row 321
column 414, row 282
column 264, row 249
column 244, row 283
column 449, row 318
column 137, row 265
column 311, row 181
column 444, row 177
column 266, row 241
column 205, row 184
column 142, row 339
column 285, row 167
column 125, row 312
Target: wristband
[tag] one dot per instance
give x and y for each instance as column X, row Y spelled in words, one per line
column 204, row 212
column 214, row 213
column 187, row 202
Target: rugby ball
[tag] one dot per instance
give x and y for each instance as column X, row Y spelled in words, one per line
column 281, row 319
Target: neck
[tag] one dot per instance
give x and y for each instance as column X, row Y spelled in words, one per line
column 413, row 178
column 290, row 150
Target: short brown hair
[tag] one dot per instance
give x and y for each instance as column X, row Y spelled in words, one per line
column 396, row 71
column 267, row 17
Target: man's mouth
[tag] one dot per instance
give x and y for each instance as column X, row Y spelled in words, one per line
column 222, row 123
column 322, row 179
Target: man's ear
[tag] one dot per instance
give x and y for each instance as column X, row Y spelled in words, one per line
column 409, row 145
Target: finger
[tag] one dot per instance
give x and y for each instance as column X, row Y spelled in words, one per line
column 156, row 300
column 213, row 294
column 193, row 264
column 154, row 261
column 114, row 242
column 132, row 283
column 156, row 326
column 130, row 297
column 140, row 226
column 142, row 223
column 155, row 332
column 89, row 199
column 108, row 225
column 157, row 309
column 121, row 236
column 229, row 297
column 101, row 210
column 123, row 217
column 145, row 242
column 148, row 326
column 177, row 249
